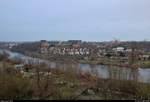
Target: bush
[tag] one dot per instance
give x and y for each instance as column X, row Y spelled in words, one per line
column 143, row 92
column 14, row 87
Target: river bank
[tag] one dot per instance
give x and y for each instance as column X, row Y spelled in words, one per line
column 62, row 82
column 103, row 71
column 64, row 85
column 102, row 61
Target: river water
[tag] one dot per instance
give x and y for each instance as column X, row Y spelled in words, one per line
column 103, row 71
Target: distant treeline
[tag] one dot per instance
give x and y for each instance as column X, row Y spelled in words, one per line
column 143, row 45
column 22, row 48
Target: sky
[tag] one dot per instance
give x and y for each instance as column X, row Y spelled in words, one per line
column 88, row 20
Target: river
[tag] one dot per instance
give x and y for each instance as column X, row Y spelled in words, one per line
column 103, row 71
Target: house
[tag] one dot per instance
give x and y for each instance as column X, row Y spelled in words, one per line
column 144, row 57
column 28, row 75
column 119, row 49
column 76, row 46
column 44, row 46
column 128, row 50
column 19, row 67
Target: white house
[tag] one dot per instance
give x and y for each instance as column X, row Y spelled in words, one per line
column 119, row 49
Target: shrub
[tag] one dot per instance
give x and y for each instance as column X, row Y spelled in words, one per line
column 14, row 87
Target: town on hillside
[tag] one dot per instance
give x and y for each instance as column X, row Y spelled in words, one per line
column 125, row 50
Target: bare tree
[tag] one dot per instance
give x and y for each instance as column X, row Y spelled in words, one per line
column 43, row 82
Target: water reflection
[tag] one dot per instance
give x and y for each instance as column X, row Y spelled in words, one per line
column 114, row 72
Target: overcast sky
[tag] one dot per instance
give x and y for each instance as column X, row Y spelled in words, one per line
column 90, row 20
